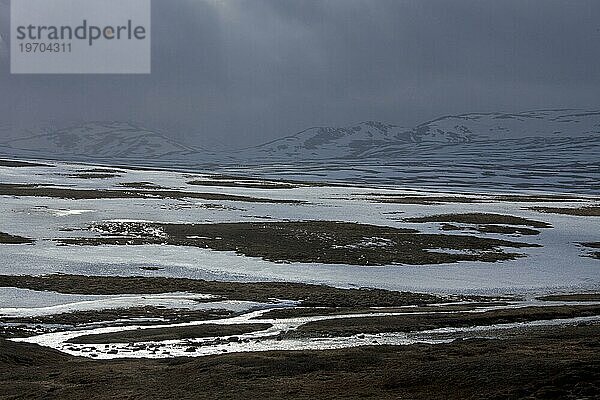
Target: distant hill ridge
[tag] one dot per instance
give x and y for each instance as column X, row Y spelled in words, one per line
column 127, row 142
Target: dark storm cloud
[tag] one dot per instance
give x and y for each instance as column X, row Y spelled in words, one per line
column 240, row 72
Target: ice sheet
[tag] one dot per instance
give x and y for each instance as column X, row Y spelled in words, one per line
column 557, row 266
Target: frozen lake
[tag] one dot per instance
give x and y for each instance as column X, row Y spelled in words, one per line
column 558, row 265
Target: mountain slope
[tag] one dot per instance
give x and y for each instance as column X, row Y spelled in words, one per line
column 533, row 134
column 353, row 141
column 375, row 139
column 501, row 126
column 103, row 140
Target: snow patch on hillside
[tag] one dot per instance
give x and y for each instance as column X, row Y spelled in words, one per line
column 100, row 140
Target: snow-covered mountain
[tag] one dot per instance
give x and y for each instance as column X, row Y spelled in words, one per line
column 554, row 150
column 502, row 126
column 352, row 141
column 375, row 139
column 98, row 140
column 327, row 142
column 528, row 134
column 534, row 150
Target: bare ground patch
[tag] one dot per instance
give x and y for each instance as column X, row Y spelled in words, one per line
column 481, row 218
column 32, row 190
column 592, row 245
column 427, row 199
column 171, row 333
column 410, row 323
column 20, row 164
column 309, row 295
column 309, row 241
column 571, row 297
column 90, row 175
column 140, row 185
column 5, row 238
column 588, row 211
column 169, row 315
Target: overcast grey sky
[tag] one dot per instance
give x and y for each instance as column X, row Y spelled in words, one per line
column 242, row 72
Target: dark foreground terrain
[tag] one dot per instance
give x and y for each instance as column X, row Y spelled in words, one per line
column 549, row 363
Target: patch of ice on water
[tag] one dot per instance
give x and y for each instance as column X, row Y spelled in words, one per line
column 29, row 303
column 64, row 213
